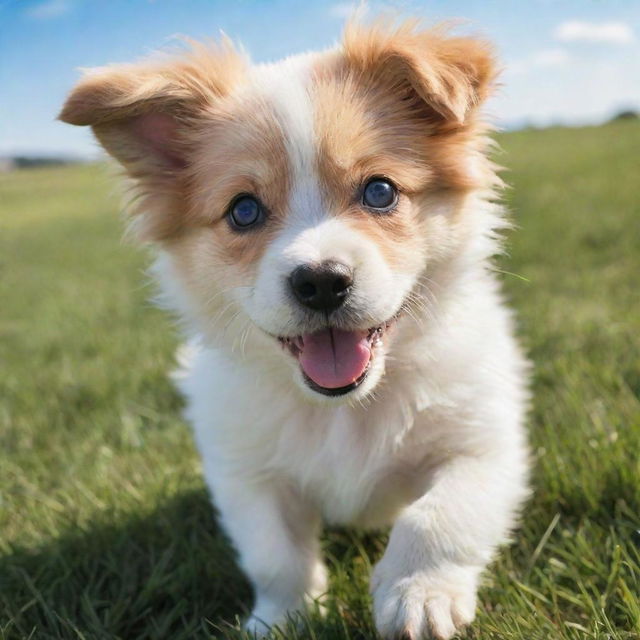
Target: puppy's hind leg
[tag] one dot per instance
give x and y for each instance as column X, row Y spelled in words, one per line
column 275, row 534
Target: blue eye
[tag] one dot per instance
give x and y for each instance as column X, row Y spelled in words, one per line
column 379, row 194
column 245, row 212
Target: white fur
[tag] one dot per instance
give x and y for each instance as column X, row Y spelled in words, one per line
column 433, row 444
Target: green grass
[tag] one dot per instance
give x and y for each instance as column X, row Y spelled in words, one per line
column 105, row 526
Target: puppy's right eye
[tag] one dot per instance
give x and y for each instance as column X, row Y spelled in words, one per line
column 380, row 195
column 245, row 212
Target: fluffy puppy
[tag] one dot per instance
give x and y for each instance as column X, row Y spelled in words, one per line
column 325, row 225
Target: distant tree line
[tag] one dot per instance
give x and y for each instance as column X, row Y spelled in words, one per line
column 627, row 114
column 11, row 163
column 22, row 162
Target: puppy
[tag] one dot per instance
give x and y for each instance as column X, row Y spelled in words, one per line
column 325, row 226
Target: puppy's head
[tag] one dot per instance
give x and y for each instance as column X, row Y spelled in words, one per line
column 299, row 205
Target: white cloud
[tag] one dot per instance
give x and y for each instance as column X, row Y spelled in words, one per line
column 540, row 59
column 603, row 32
column 48, row 9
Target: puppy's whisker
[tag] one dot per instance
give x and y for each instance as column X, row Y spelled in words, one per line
column 245, row 337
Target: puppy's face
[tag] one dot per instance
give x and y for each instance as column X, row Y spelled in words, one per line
column 301, row 203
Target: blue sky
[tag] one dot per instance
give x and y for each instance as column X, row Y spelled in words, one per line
column 568, row 61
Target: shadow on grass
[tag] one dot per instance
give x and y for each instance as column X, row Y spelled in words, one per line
column 170, row 573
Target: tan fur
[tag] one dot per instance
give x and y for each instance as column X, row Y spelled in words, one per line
column 240, row 149
column 452, row 75
column 401, row 103
column 173, row 91
column 442, row 81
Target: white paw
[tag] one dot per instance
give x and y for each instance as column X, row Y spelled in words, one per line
column 425, row 604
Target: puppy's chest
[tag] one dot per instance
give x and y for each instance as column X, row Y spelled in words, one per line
column 351, row 468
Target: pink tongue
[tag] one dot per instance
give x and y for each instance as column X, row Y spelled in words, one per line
column 333, row 358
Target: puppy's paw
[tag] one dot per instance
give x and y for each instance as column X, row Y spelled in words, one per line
column 425, row 604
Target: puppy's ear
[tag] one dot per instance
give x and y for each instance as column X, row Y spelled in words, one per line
column 451, row 76
column 141, row 113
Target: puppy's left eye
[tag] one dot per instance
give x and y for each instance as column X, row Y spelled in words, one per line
column 245, row 212
column 379, row 194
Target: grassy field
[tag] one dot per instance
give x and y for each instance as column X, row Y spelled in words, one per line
column 105, row 526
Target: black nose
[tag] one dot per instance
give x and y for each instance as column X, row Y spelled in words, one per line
column 322, row 287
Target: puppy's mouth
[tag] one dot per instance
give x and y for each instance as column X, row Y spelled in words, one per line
column 336, row 361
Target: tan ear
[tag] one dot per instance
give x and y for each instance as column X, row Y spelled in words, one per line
column 141, row 112
column 451, row 75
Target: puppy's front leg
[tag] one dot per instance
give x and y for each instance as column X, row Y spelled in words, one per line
column 275, row 534
column 425, row 584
